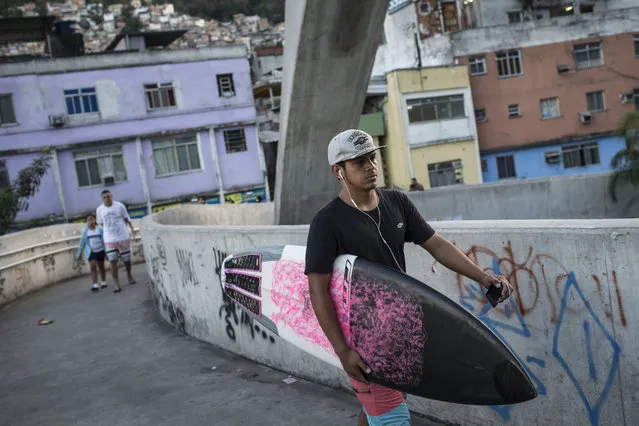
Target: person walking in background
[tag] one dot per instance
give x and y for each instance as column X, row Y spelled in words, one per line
column 92, row 242
column 201, row 200
column 415, row 186
column 114, row 218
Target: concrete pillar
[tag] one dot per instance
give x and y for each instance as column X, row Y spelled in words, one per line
column 328, row 58
column 58, row 183
column 216, row 163
column 142, row 168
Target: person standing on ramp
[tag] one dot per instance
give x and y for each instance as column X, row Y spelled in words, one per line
column 114, row 218
column 373, row 223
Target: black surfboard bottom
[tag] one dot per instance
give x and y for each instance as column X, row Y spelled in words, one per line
column 442, row 352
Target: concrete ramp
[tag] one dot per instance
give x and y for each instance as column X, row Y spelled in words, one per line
column 573, row 321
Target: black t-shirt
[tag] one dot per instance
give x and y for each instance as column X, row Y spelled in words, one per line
column 339, row 228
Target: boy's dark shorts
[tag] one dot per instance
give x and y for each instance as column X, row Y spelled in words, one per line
column 99, row 256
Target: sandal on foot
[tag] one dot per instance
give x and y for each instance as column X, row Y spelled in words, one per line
column 117, row 290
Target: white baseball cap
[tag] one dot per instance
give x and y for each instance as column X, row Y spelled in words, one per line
column 350, row 144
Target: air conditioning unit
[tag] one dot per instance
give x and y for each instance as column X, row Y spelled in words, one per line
column 108, row 180
column 562, row 69
column 585, row 117
column 627, row 98
column 552, row 157
column 58, row 120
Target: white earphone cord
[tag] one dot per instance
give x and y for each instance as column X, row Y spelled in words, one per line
column 379, row 211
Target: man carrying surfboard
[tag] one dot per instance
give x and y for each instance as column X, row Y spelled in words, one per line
column 375, row 224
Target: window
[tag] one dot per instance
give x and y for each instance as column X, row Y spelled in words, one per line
column 177, row 155
column 7, row 114
column 484, row 166
column 580, row 155
column 515, row 17
column 637, row 45
column 549, row 108
column 477, row 65
column 433, row 109
column 595, row 101
column 506, row 167
column 92, row 167
column 445, row 173
column 235, row 141
column 509, row 63
column 159, row 95
column 81, row 101
column 424, row 7
column 5, row 182
column 513, row 111
column 225, row 87
column 480, row 115
column 588, row 55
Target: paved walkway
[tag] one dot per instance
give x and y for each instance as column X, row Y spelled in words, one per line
column 108, row 359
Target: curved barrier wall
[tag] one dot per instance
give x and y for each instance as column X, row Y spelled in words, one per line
column 572, row 323
column 39, row 257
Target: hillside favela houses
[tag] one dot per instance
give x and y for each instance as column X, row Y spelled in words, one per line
column 157, row 127
column 549, row 82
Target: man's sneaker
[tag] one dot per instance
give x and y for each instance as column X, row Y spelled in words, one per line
column 95, row 287
column 103, row 285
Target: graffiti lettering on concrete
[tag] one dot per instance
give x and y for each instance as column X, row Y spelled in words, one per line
column 48, row 262
column 1, row 287
column 218, row 257
column 158, row 291
column 538, row 276
column 533, row 280
column 187, row 268
column 237, row 317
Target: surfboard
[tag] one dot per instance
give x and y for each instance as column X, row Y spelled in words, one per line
column 414, row 339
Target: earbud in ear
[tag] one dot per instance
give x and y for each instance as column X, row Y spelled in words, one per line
column 340, row 174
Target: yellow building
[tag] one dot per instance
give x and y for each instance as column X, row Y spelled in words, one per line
column 430, row 128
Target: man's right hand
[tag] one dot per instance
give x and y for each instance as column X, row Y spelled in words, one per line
column 353, row 364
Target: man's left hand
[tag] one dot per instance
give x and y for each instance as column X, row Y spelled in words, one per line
column 500, row 282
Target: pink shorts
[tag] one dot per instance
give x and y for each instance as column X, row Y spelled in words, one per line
column 377, row 400
column 121, row 249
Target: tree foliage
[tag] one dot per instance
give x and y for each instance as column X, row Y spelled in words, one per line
column 625, row 163
column 15, row 198
column 223, row 10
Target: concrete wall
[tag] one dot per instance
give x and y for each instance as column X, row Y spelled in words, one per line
column 36, row 258
column 567, row 197
column 571, row 321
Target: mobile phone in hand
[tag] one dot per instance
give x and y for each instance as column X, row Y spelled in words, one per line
column 493, row 294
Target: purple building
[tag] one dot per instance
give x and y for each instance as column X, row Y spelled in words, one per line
column 155, row 127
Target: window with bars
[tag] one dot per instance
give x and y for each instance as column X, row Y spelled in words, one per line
column 177, row 155
column 588, row 55
column 515, row 17
column 549, row 108
column 506, row 167
column 81, row 101
column 581, row 155
column 92, row 167
column 509, row 63
column 480, row 115
column 5, row 181
column 159, row 95
column 225, row 86
column 436, row 108
column 513, row 111
column 424, row 7
column 7, row 113
column 477, row 65
column 445, row 173
column 235, row 141
column 595, row 101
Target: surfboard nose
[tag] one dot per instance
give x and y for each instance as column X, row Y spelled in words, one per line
column 512, row 383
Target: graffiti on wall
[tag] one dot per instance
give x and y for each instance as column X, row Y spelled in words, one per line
column 235, row 316
column 158, row 262
column 540, row 280
column 185, row 263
